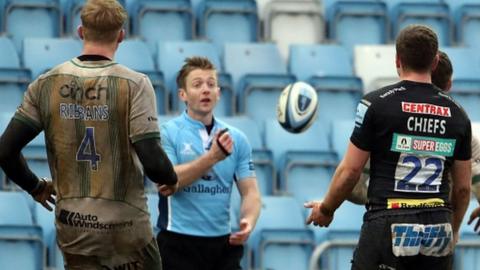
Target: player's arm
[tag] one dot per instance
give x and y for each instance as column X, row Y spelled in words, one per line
column 344, row 180
column 249, row 210
column 15, row 137
column 461, row 177
column 189, row 172
column 155, row 162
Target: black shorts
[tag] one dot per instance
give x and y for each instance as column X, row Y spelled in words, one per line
column 421, row 240
column 185, row 252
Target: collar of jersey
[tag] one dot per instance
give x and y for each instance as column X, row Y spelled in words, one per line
column 92, row 64
column 194, row 122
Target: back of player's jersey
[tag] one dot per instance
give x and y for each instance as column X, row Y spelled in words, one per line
column 414, row 133
column 91, row 112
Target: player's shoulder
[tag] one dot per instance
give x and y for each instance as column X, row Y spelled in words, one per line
column 385, row 93
column 452, row 104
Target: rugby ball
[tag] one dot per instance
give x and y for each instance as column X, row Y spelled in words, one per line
column 297, row 107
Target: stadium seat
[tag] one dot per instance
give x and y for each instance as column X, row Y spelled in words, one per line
column 41, row 54
column 20, row 240
column 337, row 243
column 46, row 220
column 306, row 162
column 341, row 132
column 262, row 157
column 259, row 74
column 13, row 79
column 294, row 22
column 162, row 20
column 466, row 17
column 328, row 68
column 466, row 79
column 171, row 57
column 46, row 15
column 135, row 54
column 433, row 13
column 467, row 251
column 223, row 21
column 280, row 241
column 375, row 65
column 346, row 17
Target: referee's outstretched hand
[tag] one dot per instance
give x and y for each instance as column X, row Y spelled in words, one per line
column 475, row 214
column 240, row 237
column 317, row 216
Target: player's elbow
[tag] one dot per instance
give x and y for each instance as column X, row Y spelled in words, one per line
column 5, row 154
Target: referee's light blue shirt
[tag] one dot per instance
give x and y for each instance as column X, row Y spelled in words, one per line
column 202, row 208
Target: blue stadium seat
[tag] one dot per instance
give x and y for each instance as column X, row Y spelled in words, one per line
column 337, row 242
column 294, row 22
column 162, row 20
column 259, row 75
column 434, row 13
column 20, row 241
column 467, row 251
column 306, row 162
column 13, row 79
column 346, row 17
column 466, row 79
column 328, row 68
column 223, row 21
column 341, row 132
column 135, row 54
column 262, row 157
column 42, row 54
column 46, row 220
column 46, row 15
column 171, row 57
column 466, row 16
column 281, row 241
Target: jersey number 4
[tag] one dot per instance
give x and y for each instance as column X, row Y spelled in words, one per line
column 419, row 174
column 87, row 150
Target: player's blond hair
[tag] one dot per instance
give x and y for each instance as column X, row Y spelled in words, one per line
column 102, row 20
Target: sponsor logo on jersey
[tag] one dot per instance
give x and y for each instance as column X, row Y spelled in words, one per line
column 414, row 203
column 361, row 111
column 392, row 91
column 212, row 190
column 422, row 145
column 187, row 149
column 426, row 239
column 89, row 221
column 425, row 108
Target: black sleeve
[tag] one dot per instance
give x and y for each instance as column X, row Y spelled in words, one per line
column 463, row 148
column 155, row 162
column 363, row 133
column 14, row 138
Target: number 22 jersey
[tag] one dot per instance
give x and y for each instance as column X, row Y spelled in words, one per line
column 414, row 133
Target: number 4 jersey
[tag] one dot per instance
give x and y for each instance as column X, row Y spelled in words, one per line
column 414, row 132
column 92, row 112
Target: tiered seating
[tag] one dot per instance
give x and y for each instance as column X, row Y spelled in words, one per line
column 46, row 15
column 294, row 22
column 328, row 68
column 162, row 20
column 20, row 240
column 375, row 64
column 347, row 17
column 223, row 21
column 135, row 54
column 259, row 74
